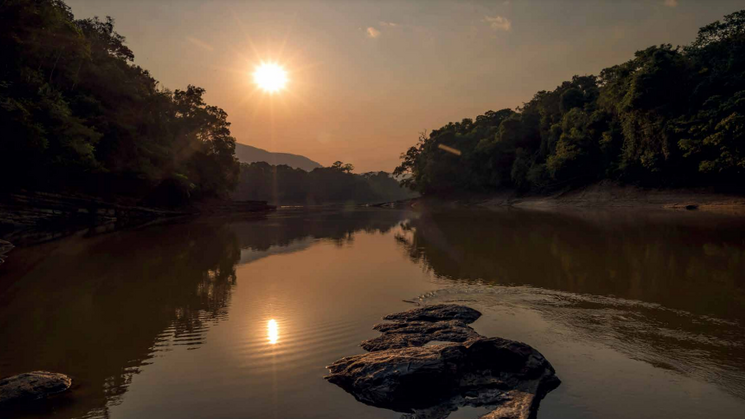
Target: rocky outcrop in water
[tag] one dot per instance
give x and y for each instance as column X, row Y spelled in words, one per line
column 32, row 386
column 468, row 369
column 437, row 312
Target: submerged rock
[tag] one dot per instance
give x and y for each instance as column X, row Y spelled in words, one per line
column 437, row 312
column 32, row 386
column 402, row 374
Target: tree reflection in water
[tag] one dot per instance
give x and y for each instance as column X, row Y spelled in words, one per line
column 101, row 308
column 665, row 288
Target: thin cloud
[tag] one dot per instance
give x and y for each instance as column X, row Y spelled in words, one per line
column 391, row 24
column 498, row 23
column 671, row 3
column 372, row 32
column 200, row 44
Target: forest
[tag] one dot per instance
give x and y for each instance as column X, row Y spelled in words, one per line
column 78, row 116
column 671, row 117
column 284, row 185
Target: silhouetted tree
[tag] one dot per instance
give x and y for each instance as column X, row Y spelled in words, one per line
column 285, row 185
column 671, row 116
column 78, row 115
column 343, row 167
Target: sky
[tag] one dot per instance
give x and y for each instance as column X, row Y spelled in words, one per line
column 365, row 78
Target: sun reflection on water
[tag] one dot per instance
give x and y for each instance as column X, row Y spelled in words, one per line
column 272, row 331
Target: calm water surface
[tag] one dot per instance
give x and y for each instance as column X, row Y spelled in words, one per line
column 641, row 314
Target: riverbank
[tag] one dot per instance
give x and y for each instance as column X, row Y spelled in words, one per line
column 602, row 195
column 35, row 217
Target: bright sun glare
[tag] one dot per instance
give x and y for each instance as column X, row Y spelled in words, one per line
column 270, row 77
column 272, row 331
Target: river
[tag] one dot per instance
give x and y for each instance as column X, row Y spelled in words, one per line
column 640, row 313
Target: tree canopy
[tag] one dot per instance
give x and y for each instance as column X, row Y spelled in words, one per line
column 343, row 167
column 284, row 185
column 77, row 114
column 669, row 117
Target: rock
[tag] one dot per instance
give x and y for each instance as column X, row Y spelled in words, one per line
column 398, row 335
column 415, row 378
column 5, row 247
column 400, row 379
column 32, row 386
column 519, row 405
column 437, row 312
column 511, row 405
column 429, row 382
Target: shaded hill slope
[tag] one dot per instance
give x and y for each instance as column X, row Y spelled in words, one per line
column 249, row 154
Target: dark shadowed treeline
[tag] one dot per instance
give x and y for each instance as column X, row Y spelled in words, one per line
column 78, row 115
column 670, row 117
column 284, row 185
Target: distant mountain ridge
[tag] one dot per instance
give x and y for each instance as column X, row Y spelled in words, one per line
column 248, row 154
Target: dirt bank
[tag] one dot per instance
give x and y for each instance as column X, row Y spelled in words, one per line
column 611, row 195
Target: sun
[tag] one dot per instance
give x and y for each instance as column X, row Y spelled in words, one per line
column 270, row 77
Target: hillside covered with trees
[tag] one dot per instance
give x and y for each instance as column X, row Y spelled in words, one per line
column 248, row 154
column 77, row 115
column 284, row 185
column 669, row 117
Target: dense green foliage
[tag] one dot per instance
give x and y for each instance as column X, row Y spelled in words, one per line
column 77, row 114
column 670, row 117
column 284, row 185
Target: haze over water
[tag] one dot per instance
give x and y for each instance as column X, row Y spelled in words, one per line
column 641, row 315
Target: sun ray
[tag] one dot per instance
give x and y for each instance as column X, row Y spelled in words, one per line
column 242, row 27
column 287, row 35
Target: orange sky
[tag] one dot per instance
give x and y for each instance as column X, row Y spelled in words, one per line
column 366, row 77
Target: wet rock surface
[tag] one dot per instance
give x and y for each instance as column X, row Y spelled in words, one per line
column 32, row 386
column 417, row 333
column 428, row 382
column 5, row 247
column 437, row 312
